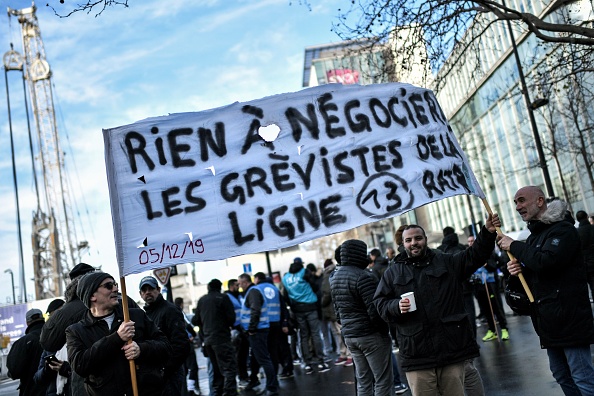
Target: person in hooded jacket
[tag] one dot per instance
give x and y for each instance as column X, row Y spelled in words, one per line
column 436, row 339
column 552, row 264
column 364, row 331
column 330, row 325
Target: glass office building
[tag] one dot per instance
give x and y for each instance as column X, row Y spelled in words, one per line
column 490, row 117
column 482, row 98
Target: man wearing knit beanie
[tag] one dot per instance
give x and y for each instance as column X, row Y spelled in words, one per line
column 53, row 333
column 101, row 344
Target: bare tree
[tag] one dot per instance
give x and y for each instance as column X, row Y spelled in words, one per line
column 450, row 31
column 90, row 6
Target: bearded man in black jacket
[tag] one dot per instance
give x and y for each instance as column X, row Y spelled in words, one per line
column 436, row 338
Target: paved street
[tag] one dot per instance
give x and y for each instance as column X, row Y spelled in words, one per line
column 514, row 367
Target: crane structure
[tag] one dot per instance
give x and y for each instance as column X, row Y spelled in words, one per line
column 55, row 246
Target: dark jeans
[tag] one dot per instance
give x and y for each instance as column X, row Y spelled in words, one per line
column 572, row 368
column 259, row 344
column 222, row 358
column 395, row 372
column 309, row 327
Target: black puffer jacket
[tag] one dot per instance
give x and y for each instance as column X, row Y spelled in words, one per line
column 556, row 274
column 352, row 290
column 439, row 332
column 170, row 320
column 95, row 353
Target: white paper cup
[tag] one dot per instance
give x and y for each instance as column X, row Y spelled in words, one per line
column 411, row 298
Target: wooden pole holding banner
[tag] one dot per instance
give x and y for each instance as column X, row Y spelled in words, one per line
column 511, row 256
column 484, row 278
column 127, row 319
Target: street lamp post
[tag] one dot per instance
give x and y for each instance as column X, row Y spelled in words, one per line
column 541, row 158
column 12, row 282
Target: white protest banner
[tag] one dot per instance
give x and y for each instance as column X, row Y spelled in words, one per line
column 206, row 186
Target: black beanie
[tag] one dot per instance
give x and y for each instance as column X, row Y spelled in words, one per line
column 88, row 284
column 354, row 252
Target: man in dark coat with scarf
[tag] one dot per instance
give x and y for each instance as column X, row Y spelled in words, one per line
column 99, row 349
column 552, row 264
column 436, row 338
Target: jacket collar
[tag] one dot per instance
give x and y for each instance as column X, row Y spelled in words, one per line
column 90, row 320
column 153, row 306
column 416, row 261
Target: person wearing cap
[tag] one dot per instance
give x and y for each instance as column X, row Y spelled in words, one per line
column 101, row 345
column 171, row 322
column 300, row 291
column 24, row 355
column 215, row 316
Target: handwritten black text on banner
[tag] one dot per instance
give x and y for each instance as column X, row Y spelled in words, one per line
column 206, row 186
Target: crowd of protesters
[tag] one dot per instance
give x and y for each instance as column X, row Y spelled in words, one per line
column 356, row 311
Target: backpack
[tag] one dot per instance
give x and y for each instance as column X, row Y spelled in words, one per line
column 516, row 297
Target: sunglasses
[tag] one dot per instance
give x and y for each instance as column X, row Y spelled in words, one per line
column 109, row 285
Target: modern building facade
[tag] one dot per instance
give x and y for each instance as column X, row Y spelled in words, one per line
column 482, row 97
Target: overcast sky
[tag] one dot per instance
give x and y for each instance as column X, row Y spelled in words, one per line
column 153, row 58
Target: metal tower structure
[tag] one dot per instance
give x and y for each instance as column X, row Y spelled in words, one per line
column 55, row 247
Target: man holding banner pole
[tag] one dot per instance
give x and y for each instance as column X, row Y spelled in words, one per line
column 102, row 344
column 434, row 333
column 552, row 264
